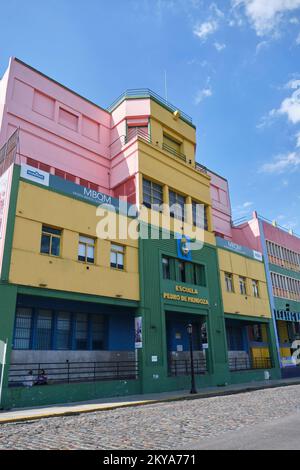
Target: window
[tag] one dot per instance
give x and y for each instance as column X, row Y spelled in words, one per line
column 40, row 329
column 23, row 326
column 243, row 286
column 181, row 271
column 66, row 176
column 166, row 267
column 44, row 329
column 117, row 253
column 177, row 203
column 86, row 249
column 152, row 194
column 255, row 288
column 256, row 333
column 97, row 332
column 171, row 145
column 199, row 275
column 229, row 282
column 81, row 334
column 63, row 330
column 50, row 242
column 200, row 215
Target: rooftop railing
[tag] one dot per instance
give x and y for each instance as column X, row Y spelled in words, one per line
column 147, row 93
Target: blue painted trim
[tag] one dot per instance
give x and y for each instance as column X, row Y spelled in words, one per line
column 72, row 340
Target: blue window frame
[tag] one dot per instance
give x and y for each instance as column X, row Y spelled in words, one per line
column 41, row 329
column 43, row 337
column 23, row 328
column 63, row 330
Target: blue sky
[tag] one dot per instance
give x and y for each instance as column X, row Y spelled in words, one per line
column 233, row 65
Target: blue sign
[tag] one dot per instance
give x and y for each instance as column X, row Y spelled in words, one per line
column 184, row 248
column 241, row 250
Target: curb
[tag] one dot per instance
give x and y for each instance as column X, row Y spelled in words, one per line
column 197, row 396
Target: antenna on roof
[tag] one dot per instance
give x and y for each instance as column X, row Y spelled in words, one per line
column 166, row 89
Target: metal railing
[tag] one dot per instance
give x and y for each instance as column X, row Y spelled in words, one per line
column 174, row 152
column 67, row 372
column 137, row 132
column 147, row 93
column 201, row 168
column 179, row 367
column 8, row 152
column 243, row 363
column 285, row 229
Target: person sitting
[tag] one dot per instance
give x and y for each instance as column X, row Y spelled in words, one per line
column 29, row 379
column 42, row 378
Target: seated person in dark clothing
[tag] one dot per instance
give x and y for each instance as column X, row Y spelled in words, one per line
column 42, row 378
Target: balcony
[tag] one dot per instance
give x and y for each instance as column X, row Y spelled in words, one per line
column 171, row 150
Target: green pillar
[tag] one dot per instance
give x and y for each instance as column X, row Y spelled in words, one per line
column 8, row 300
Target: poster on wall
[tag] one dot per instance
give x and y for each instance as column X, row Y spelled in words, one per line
column 3, row 193
column 138, row 339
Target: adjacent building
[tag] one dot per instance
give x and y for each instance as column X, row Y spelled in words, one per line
column 281, row 250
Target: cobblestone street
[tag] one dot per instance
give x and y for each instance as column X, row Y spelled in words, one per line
column 165, row 426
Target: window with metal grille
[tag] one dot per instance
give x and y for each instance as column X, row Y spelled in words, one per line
column 50, row 242
column 23, row 325
column 97, row 332
column 86, row 249
column 63, row 330
column 44, row 329
column 81, row 333
column 117, row 255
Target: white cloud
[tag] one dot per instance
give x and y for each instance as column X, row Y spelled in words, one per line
column 282, row 163
column 219, row 46
column 205, row 29
column 266, row 15
column 298, row 40
column 291, row 106
column 247, row 204
column 201, row 94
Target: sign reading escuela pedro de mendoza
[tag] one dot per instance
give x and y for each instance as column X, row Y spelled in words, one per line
column 180, row 295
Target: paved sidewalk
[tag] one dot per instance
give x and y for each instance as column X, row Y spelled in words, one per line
column 67, row 409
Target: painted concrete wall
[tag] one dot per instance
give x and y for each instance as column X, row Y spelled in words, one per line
column 221, row 207
column 57, row 127
column 248, row 234
column 234, row 302
column 282, row 238
column 37, row 206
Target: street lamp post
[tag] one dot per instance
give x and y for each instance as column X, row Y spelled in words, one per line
column 190, row 335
